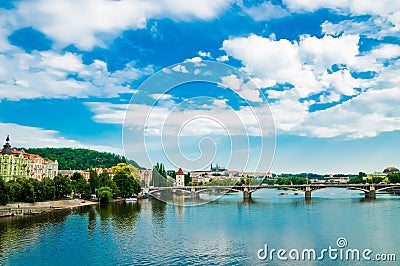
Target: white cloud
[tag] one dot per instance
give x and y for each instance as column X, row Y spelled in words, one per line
column 170, row 119
column 385, row 15
column 223, row 58
column 367, row 115
column 246, row 90
column 87, row 23
column 302, row 64
column 180, row 68
column 24, row 136
column 308, row 66
column 266, row 11
column 48, row 75
column 158, row 96
column 204, row 54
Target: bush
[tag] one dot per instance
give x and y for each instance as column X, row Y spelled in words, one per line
column 104, row 194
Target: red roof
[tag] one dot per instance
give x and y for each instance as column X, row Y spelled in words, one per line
column 180, row 172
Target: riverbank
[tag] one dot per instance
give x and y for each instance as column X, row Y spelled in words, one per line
column 18, row 209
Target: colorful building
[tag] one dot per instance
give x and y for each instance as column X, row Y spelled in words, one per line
column 180, row 178
column 13, row 164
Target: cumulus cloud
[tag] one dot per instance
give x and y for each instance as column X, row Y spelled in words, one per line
column 61, row 75
column 367, row 115
column 325, row 66
column 87, row 23
column 154, row 120
column 24, row 136
column 266, row 11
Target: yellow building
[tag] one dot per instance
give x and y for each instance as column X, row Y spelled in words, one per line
column 13, row 164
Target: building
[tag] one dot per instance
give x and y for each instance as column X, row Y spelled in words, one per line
column 390, row 170
column 13, row 164
column 146, row 176
column 50, row 168
column 180, row 178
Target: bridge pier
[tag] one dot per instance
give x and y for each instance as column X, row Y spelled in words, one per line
column 246, row 194
column 193, row 193
column 370, row 195
column 308, row 193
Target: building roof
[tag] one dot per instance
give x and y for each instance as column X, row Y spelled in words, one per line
column 180, row 172
column 391, row 169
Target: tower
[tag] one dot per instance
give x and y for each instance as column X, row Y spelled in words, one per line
column 7, row 146
column 180, row 178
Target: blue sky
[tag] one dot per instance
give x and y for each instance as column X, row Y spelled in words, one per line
column 329, row 72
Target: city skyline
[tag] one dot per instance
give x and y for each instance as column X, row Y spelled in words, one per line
column 328, row 72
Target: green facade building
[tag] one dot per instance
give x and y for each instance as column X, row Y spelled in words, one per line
column 13, row 164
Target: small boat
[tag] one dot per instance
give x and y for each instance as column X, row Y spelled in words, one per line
column 131, row 199
column 281, row 194
column 296, row 194
column 18, row 214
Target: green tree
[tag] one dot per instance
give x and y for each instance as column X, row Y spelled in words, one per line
column 394, row 178
column 188, row 179
column 14, row 190
column 62, row 186
column 3, row 192
column 159, row 175
column 27, row 191
column 93, row 180
column 361, row 174
column 38, row 188
column 77, row 177
column 104, row 179
column 356, row 180
column 49, row 188
column 104, row 194
column 124, row 178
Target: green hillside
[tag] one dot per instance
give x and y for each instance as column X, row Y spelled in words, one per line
column 70, row 158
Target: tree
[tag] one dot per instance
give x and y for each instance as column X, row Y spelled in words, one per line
column 62, row 186
column 394, row 178
column 93, row 180
column 188, row 179
column 104, row 194
column 361, row 174
column 77, row 177
column 3, row 192
column 356, row 180
column 14, row 190
column 49, row 188
column 69, row 158
column 104, row 179
column 27, row 192
column 124, row 178
column 159, row 175
column 82, row 187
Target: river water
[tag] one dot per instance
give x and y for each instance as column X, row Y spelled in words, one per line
column 227, row 231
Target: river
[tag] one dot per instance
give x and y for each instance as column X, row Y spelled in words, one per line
column 227, row 231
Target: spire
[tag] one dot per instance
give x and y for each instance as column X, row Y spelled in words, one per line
column 7, row 147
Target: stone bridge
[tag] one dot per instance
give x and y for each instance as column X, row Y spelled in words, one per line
column 370, row 190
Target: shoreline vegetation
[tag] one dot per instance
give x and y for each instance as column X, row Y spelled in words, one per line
column 23, row 208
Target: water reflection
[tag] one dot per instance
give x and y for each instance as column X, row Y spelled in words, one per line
column 228, row 231
column 158, row 212
column 17, row 234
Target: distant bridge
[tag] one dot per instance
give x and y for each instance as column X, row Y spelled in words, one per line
column 370, row 190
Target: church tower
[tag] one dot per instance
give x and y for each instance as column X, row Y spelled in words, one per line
column 180, row 178
column 7, row 146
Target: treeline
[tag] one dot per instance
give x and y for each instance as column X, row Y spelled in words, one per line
column 391, row 178
column 125, row 183
column 80, row 159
